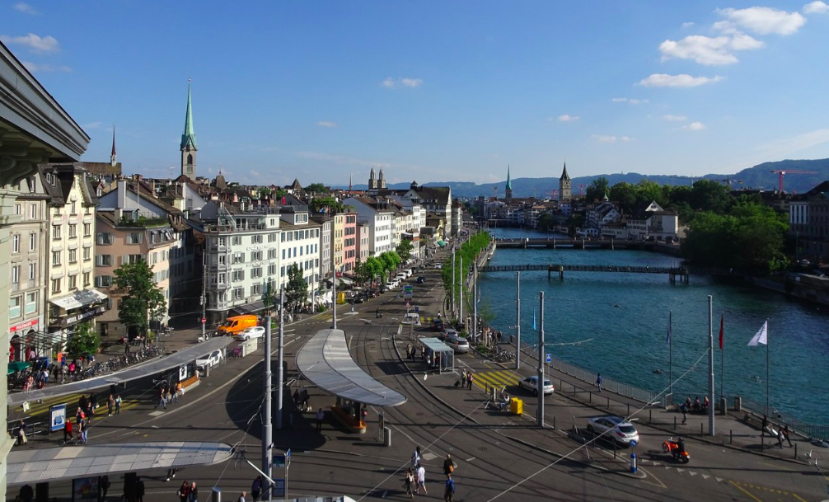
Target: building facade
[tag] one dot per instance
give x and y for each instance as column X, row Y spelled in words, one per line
column 565, row 192
column 349, row 242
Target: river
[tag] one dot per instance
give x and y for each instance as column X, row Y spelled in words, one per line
column 621, row 322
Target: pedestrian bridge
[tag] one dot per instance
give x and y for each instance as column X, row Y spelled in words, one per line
column 673, row 272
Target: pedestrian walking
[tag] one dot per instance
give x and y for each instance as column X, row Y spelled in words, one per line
column 162, row 398
column 256, row 488
column 242, row 497
column 463, row 377
column 469, row 379
column 118, row 404
column 448, row 465
column 780, row 438
column 105, row 484
column 684, row 409
column 416, row 458
column 67, row 431
column 110, row 405
column 786, row 434
column 171, row 473
column 176, row 391
column 183, row 492
column 421, row 480
column 21, row 433
column 409, row 482
column 320, row 417
column 139, row 489
column 193, row 494
column 599, row 381
column 449, row 489
column 83, row 427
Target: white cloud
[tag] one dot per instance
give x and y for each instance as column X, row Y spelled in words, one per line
column 681, row 80
column 91, row 125
column 326, row 123
column 695, row 126
column 675, row 118
column 688, row 24
column 780, row 148
column 392, row 83
column 26, row 9
column 45, row 68
column 816, row 7
column 765, row 20
column 707, row 50
column 33, row 42
column 610, row 139
column 626, row 139
column 631, row 101
column 568, row 118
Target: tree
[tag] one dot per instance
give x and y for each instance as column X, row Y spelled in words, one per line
column 326, row 204
column 83, row 341
column 404, row 250
column 372, row 268
column 389, row 261
column 316, row 188
column 144, row 302
column 270, row 298
column 597, row 189
column 296, row 292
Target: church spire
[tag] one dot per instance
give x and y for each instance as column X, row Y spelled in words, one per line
column 349, row 184
column 564, row 175
column 113, row 157
column 508, row 191
column 188, row 140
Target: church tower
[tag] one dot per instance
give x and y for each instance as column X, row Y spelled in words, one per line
column 188, row 141
column 509, row 186
column 113, row 157
column 372, row 180
column 381, row 183
column 564, row 186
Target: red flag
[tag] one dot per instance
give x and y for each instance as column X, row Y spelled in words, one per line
column 721, row 335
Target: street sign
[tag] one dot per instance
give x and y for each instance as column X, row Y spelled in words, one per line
column 417, row 309
column 203, row 320
column 549, row 358
column 279, row 460
column 279, row 487
column 288, row 453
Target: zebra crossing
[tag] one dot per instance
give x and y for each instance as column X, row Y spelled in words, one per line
column 42, row 407
column 489, row 379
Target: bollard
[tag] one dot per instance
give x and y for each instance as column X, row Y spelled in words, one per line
column 633, row 466
column 700, row 429
column 628, row 409
column 674, row 423
column 650, row 416
column 608, row 403
column 795, row 451
column 216, row 494
column 730, row 437
column 590, row 394
column 387, row 437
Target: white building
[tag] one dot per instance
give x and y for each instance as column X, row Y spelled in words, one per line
column 300, row 246
column 379, row 216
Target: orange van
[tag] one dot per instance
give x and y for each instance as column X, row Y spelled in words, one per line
column 237, row 324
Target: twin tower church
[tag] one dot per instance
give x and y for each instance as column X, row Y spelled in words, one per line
column 564, row 186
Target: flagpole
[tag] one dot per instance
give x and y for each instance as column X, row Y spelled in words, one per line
column 711, row 428
column 722, row 360
column 767, row 367
column 517, row 320
column 671, row 352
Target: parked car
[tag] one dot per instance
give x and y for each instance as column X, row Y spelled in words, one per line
column 209, row 361
column 421, row 280
column 458, row 343
column 531, row 384
column 621, row 431
column 437, row 325
column 447, row 332
column 254, row 332
column 359, row 299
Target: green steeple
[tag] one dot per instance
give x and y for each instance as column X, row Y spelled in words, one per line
column 509, row 181
column 189, row 136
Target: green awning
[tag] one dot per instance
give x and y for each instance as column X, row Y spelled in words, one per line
column 441, row 243
column 18, row 366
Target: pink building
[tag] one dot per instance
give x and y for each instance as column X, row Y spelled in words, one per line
column 350, row 242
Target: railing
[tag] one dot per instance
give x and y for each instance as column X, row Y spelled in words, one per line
column 608, row 384
column 810, row 431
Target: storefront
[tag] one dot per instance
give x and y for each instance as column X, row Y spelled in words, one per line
column 67, row 312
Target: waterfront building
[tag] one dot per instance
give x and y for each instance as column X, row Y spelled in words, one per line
column 809, row 225
column 437, row 202
column 71, row 296
column 601, row 214
column 188, row 146
column 457, row 217
column 27, row 305
column 378, row 215
column 337, row 250
column 652, row 221
column 132, row 226
column 300, row 246
column 409, row 218
column 363, row 236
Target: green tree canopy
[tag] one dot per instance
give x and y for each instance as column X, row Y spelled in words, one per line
column 316, row 188
column 597, row 189
column 143, row 302
column 404, row 250
column 296, row 291
column 83, row 341
column 389, row 262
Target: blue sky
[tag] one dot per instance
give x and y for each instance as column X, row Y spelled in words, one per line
column 435, row 90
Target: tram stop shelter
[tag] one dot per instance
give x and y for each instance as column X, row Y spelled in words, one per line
column 445, row 360
column 325, row 361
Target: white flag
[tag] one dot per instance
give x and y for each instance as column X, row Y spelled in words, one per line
column 761, row 336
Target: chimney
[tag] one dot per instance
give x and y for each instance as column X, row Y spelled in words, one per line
column 122, row 194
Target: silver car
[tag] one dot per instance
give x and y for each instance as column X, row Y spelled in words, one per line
column 620, row 430
column 458, row 343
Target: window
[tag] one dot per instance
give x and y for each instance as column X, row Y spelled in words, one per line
column 135, row 238
column 74, row 208
column 103, row 281
column 87, row 254
column 32, row 271
column 271, row 254
column 73, row 256
column 87, row 229
column 257, row 239
column 15, row 275
column 103, row 260
column 256, row 255
column 33, row 211
column 104, row 238
column 73, row 231
column 238, row 293
column 238, row 275
column 55, row 258
column 56, row 232
column 132, row 259
column 271, row 269
column 32, row 242
column 221, row 278
column 256, row 290
column 236, row 241
column 73, row 282
column 256, row 272
column 16, row 243
column 31, row 302
column 271, row 237
column 86, row 276
column 223, row 241
column 18, row 209
column 14, row 306
column 55, row 285
column 222, row 259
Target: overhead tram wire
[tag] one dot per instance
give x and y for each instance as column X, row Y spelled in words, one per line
column 588, row 443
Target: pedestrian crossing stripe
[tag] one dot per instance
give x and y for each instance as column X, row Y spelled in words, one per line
column 491, row 379
column 425, row 319
column 71, row 401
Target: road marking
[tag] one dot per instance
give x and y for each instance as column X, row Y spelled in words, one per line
column 692, row 473
column 745, row 491
column 156, row 413
column 680, row 470
column 797, row 497
column 719, row 480
column 470, row 459
column 657, row 463
column 705, row 476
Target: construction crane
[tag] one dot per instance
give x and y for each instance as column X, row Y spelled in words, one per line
column 581, row 189
column 782, row 172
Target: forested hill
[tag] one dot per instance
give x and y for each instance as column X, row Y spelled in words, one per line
column 758, row 177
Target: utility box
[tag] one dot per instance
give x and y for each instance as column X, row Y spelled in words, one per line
column 516, row 406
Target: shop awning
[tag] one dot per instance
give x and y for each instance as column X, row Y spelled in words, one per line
column 250, row 308
column 79, row 299
column 441, row 243
column 17, row 366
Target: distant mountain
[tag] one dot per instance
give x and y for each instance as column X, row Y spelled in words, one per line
column 757, row 177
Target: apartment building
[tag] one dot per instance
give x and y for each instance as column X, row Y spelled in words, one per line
column 363, row 237
column 378, row 214
column 300, row 246
column 338, row 247
column 350, row 237
column 71, row 294
column 27, row 304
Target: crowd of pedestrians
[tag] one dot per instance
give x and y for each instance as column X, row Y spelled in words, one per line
column 415, row 478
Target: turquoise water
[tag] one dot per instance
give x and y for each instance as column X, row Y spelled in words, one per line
column 623, row 320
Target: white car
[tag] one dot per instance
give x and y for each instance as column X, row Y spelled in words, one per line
column 212, row 360
column 531, row 384
column 620, row 430
column 253, row 332
column 458, row 343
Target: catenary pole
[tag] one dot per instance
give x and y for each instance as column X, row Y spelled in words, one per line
column 671, row 352
column 539, row 414
column 711, row 429
column 517, row 320
column 267, row 432
column 768, row 340
column 280, row 379
column 475, row 299
column 334, row 309
column 453, row 281
column 463, row 285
